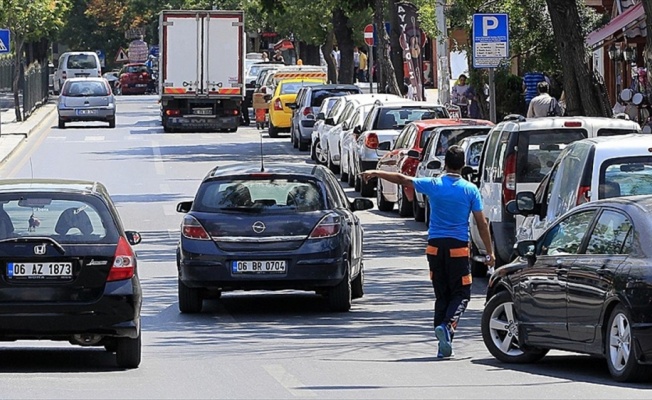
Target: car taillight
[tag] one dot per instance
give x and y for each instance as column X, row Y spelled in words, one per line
column 371, row 141
column 172, row 112
column 307, row 111
column 278, row 105
column 329, row 226
column 583, row 195
column 192, row 229
column 509, row 179
column 124, row 262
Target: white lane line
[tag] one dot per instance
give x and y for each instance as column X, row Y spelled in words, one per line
column 288, row 381
column 94, row 138
column 158, row 159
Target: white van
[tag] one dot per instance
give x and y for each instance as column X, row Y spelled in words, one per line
column 76, row 64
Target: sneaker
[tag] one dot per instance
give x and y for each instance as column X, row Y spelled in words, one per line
column 440, row 355
column 444, row 336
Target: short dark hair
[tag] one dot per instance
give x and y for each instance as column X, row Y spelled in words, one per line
column 542, row 87
column 454, row 158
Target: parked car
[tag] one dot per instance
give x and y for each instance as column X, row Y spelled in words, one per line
column 384, row 123
column 584, row 286
column 306, row 107
column 69, row 270
column 348, row 138
column 74, row 64
column 86, row 99
column 331, row 119
column 587, row 170
column 403, row 156
column 280, row 114
column 133, row 78
column 290, row 226
column 316, row 153
column 431, row 159
column 112, row 77
column 51, row 70
column 517, row 155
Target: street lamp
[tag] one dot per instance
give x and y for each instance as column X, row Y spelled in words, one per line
column 629, row 54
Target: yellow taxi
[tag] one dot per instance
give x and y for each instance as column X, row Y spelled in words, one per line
column 280, row 115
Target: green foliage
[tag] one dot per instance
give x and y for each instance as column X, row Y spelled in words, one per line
column 35, row 19
column 509, row 94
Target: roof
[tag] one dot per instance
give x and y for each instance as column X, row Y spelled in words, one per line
column 335, row 87
column 299, row 80
column 558, row 122
column 270, row 168
column 48, row 185
column 443, row 122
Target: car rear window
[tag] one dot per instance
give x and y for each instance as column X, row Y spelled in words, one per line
column 260, row 196
column 397, row 118
column 616, row 131
column 293, row 87
column 135, row 69
column 81, row 61
column 65, row 218
column 452, row 136
column 473, row 153
column 318, row 96
column 85, row 88
column 538, row 150
column 628, row 176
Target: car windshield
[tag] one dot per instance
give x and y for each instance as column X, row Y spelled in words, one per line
column 81, row 61
column 293, row 87
column 265, row 195
column 625, row 177
column 65, row 218
column 451, row 137
column 84, row 89
column 319, row 95
column 397, row 118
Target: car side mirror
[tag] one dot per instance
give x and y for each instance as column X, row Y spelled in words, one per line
column 360, row 203
column 345, row 126
column 526, row 249
column 291, row 106
column 414, row 154
column 525, row 204
column 184, row 206
column 329, row 121
column 321, row 116
column 385, row 145
column 357, row 130
column 434, row 164
column 133, row 237
column 475, row 178
column 467, row 172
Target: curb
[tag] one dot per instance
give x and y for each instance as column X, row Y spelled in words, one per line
column 10, row 142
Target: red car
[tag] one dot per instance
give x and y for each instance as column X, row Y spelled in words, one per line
column 403, row 156
column 133, row 79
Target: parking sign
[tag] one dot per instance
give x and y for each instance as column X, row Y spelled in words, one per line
column 490, row 39
column 5, row 43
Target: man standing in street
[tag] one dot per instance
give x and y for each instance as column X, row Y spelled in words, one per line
column 452, row 199
column 544, row 105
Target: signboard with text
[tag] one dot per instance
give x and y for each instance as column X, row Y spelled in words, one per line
column 490, row 40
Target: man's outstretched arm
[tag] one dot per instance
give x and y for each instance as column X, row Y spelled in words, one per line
column 393, row 177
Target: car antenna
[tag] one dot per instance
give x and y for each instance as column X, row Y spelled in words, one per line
column 262, row 162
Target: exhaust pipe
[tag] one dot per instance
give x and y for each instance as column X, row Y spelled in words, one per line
column 87, row 339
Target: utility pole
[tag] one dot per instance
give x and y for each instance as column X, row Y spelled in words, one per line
column 443, row 65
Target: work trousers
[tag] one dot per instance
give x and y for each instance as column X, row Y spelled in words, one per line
column 448, row 260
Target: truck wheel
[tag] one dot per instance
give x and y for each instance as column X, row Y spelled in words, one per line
column 272, row 131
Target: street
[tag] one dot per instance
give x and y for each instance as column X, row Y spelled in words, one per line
column 263, row 344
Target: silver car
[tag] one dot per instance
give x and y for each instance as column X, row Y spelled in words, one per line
column 86, row 99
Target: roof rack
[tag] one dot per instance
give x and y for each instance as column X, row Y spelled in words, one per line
column 514, row 117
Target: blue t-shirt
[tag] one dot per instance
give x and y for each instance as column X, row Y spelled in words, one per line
column 451, row 200
column 531, row 79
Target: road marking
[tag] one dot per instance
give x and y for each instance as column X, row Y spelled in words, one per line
column 288, row 381
column 94, row 138
column 158, row 159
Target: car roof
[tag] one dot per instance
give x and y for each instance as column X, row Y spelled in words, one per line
column 556, row 122
column 86, row 79
column 431, row 123
column 298, row 80
column 632, row 140
column 334, row 87
column 50, row 185
column 269, row 168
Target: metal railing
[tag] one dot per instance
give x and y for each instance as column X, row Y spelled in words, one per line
column 35, row 88
column 7, row 69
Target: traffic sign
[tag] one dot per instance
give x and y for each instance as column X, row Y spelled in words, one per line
column 5, row 42
column 102, row 57
column 490, row 39
column 387, row 29
column 121, row 56
column 369, row 35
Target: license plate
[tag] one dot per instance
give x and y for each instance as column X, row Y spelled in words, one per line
column 258, row 267
column 202, row 111
column 141, row 85
column 62, row 270
column 86, row 112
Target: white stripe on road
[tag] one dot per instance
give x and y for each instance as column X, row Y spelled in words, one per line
column 94, row 138
column 158, row 159
column 288, row 381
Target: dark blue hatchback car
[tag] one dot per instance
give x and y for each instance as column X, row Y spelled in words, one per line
column 290, row 226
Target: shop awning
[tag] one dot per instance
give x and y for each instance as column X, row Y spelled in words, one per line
column 615, row 25
column 283, row 45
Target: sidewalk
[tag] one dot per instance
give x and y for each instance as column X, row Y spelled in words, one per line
column 13, row 133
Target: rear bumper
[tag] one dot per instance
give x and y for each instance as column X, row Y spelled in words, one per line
column 70, row 114
column 116, row 313
column 200, row 123
column 280, row 119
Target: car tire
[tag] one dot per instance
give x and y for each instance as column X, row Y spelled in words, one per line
column 339, row 296
column 334, row 168
column 418, row 211
column 357, row 285
column 112, row 123
column 366, row 188
column 295, row 141
column 404, row 205
column 128, row 352
column 344, row 176
column 303, row 146
column 478, row 268
column 321, row 156
column 352, row 174
column 272, row 131
column 619, row 348
column 62, row 124
column 383, row 205
column 426, row 210
column 190, row 299
column 313, row 151
column 500, row 327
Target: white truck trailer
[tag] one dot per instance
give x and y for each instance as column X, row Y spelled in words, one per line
column 201, row 76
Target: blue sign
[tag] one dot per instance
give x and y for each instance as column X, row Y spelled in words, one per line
column 388, row 28
column 5, row 42
column 102, row 57
column 490, row 39
column 153, row 51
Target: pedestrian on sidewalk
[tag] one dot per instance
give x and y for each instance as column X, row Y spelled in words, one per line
column 544, row 105
column 452, row 199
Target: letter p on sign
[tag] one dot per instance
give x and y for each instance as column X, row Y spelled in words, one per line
column 488, row 23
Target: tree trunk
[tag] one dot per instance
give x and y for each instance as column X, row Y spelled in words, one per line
column 396, row 53
column 310, row 54
column 327, row 51
column 385, row 68
column 344, row 35
column 19, row 43
column 584, row 95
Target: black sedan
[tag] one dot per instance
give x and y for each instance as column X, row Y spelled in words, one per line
column 289, row 226
column 68, row 271
column 584, row 286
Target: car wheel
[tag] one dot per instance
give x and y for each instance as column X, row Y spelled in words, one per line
column 128, row 352
column 313, row 151
column 334, row 168
column 404, row 205
column 426, row 211
column 383, row 205
column 478, row 269
column 339, row 297
column 303, row 146
column 357, row 285
column 344, row 175
column 295, row 141
column 418, row 211
column 352, row 174
column 500, row 332
column 112, row 123
column 366, row 188
column 619, row 348
column 62, row 124
column 321, row 154
column 272, row 131
column 190, row 299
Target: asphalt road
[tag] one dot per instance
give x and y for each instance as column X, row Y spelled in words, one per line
column 256, row 344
